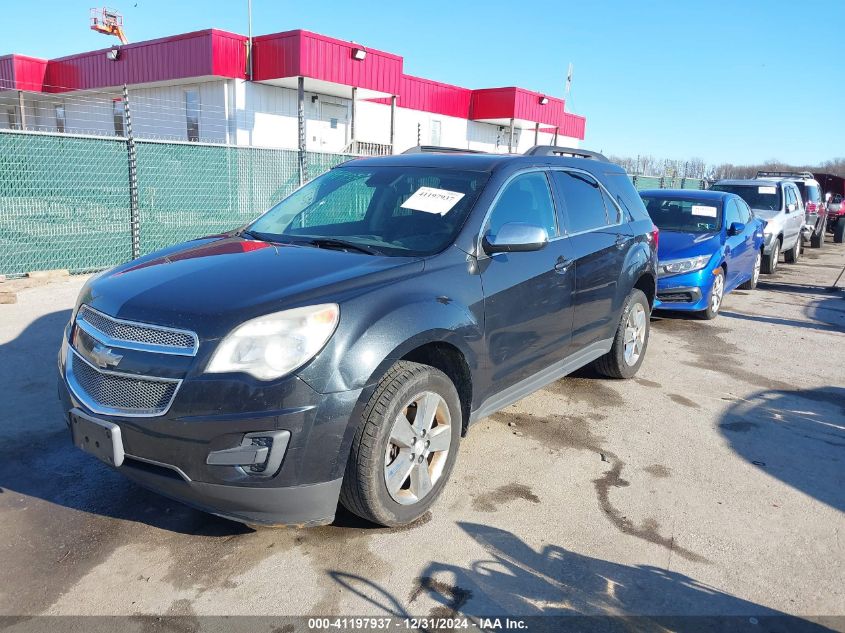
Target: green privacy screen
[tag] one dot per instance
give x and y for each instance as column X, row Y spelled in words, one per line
column 64, row 200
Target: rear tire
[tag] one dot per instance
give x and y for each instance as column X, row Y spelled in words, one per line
column 384, row 480
column 839, row 230
column 631, row 340
column 770, row 261
column 793, row 254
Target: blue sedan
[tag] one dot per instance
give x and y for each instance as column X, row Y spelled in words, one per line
column 710, row 243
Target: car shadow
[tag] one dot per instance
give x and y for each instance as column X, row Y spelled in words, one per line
column 795, row 436
column 515, row 580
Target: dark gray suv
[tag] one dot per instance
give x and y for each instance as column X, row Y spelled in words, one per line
column 338, row 347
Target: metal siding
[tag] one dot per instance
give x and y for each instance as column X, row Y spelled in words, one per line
column 516, row 103
column 574, row 125
column 276, row 56
column 7, row 72
column 19, row 72
column 302, row 53
column 228, row 55
column 178, row 57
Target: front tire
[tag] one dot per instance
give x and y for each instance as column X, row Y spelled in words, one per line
column 717, row 295
column 631, row 340
column 770, row 261
column 839, row 230
column 817, row 239
column 751, row 284
column 405, row 446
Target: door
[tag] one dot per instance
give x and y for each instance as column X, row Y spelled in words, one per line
column 599, row 239
column 794, row 218
column 736, row 251
column 527, row 296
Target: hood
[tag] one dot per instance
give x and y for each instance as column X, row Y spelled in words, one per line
column 677, row 245
column 211, row 285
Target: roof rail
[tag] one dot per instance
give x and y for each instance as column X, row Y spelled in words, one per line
column 419, row 149
column 785, row 174
column 553, row 150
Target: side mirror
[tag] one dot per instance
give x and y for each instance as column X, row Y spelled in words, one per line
column 515, row 237
column 736, row 228
column 828, row 196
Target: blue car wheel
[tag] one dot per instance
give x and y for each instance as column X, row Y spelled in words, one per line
column 717, row 293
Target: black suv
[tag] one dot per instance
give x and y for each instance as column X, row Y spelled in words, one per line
column 339, row 346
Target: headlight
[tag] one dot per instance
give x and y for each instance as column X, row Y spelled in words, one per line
column 274, row 345
column 680, row 266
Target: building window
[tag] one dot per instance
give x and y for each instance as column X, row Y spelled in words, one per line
column 192, row 114
column 435, row 133
column 14, row 119
column 60, row 118
column 119, row 115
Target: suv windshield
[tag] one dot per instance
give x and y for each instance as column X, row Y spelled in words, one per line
column 397, row 211
column 758, row 196
column 686, row 216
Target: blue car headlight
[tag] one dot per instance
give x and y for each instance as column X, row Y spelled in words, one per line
column 681, row 266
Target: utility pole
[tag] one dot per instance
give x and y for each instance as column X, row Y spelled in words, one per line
column 249, row 46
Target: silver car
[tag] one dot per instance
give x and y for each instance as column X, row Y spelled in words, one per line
column 779, row 203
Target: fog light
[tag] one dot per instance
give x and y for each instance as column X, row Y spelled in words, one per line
column 259, row 454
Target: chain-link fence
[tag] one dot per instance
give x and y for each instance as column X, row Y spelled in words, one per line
column 667, row 182
column 64, row 200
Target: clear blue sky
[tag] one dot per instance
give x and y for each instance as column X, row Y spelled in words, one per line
column 739, row 81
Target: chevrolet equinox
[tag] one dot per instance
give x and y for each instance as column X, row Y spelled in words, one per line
column 338, row 347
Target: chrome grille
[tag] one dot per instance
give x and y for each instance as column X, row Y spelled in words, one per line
column 134, row 335
column 118, row 394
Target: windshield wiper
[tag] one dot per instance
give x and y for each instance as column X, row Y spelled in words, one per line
column 330, row 242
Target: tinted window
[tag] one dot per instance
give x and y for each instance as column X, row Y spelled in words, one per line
column 758, row 196
column 684, row 215
column 582, row 199
column 527, row 199
column 373, row 207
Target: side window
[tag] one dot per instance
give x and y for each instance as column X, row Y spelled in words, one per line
column 527, row 199
column 744, row 211
column 613, row 212
column 582, row 197
column 790, row 197
column 732, row 214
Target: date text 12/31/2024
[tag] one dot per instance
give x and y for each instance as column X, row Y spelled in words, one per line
column 417, row 624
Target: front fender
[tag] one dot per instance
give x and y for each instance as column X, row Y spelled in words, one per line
column 444, row 303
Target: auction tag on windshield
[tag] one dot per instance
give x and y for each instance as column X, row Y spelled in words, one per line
column 431, row 200
column 769, row 190
column 704, row 211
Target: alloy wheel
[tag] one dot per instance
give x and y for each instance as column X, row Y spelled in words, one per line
column 635, row 330
column 717, row 292
column 417, row 448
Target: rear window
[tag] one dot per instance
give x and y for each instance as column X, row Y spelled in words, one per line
column 684, row 215
column 758, row 196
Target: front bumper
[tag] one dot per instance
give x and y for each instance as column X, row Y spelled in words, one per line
column 688, row 292
column 169, row 453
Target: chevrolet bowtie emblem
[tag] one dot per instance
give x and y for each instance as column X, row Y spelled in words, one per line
column 104, row 357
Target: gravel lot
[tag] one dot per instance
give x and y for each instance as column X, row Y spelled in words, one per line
column 712, row 484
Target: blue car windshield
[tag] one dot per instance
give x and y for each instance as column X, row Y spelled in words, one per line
column 396, row 211
column 684, row 215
